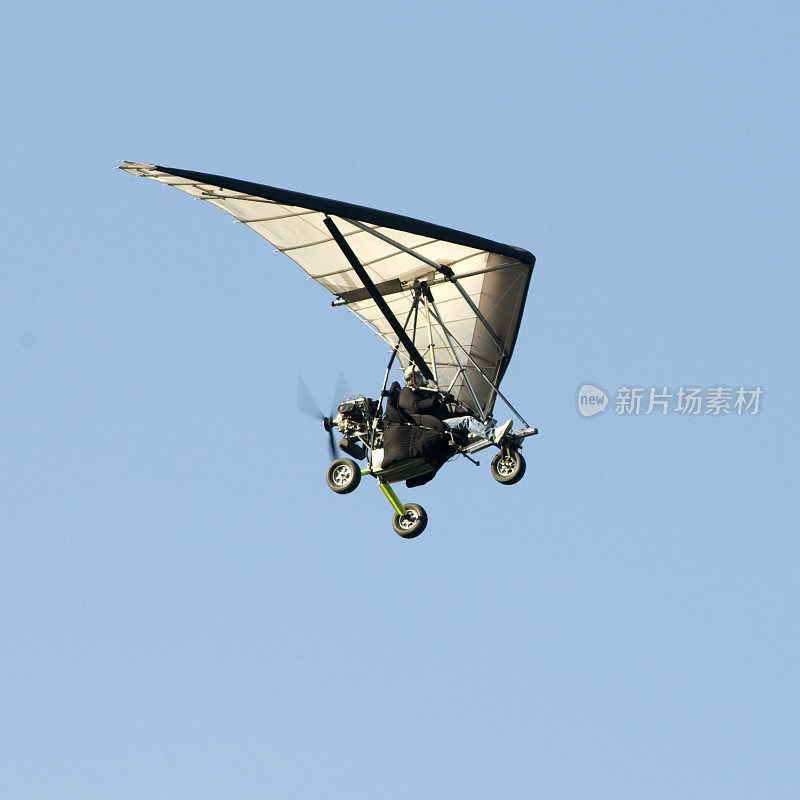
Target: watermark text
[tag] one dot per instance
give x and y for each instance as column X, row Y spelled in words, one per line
column 715, row 401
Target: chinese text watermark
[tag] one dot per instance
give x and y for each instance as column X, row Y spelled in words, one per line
column 685, row 400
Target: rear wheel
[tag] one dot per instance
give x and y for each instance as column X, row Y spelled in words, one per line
column 508, row 467
column 343, row 476
column 412, row 523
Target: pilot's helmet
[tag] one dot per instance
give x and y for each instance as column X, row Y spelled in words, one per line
column 412, row 371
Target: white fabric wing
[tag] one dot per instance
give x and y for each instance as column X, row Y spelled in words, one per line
column 476, row 287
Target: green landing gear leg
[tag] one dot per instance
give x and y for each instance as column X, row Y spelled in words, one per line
column 410, row 519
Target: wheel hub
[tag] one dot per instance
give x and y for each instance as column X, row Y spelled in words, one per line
column 506, row 466
column 341, row 475
column 409, row 519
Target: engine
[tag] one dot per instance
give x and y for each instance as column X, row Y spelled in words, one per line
column 355, row 419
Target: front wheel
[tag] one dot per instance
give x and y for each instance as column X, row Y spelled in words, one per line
column 412, row 523
column 343, row 476
column 508, row 467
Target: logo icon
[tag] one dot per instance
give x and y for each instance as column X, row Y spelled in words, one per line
column 591, row 400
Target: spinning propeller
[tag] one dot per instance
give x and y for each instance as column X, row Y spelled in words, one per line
column 307, row 404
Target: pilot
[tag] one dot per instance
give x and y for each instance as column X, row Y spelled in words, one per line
column 429, row 407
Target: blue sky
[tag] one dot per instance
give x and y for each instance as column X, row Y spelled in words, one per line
column 187, row 611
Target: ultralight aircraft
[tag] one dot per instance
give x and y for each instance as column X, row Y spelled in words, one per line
column 449, row 303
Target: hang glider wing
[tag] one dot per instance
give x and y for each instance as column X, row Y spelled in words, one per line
column 452, row 301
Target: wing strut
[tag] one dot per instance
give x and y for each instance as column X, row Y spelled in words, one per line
column 379, row 301
column 472, row 361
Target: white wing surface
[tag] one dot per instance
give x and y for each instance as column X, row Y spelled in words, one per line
column 469, row 291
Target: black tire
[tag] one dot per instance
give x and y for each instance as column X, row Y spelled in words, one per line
column 343, row 476
column 508, row 467
column 412, row 523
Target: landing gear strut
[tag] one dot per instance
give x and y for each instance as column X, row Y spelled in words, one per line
column 410, row 519
column 344, row 475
